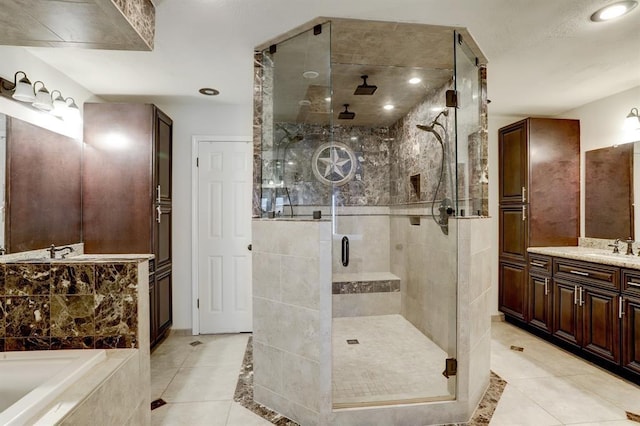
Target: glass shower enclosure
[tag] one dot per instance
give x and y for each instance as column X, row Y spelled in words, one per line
column 376, row 126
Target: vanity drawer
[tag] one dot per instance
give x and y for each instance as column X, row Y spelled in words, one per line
column 631, row 281
column 588, row 273
column 540, row 263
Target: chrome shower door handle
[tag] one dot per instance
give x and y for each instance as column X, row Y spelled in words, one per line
column 345, row 251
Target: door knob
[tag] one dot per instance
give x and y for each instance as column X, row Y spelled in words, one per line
column 249, row 247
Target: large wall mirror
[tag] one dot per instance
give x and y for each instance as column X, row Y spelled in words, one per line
column 41, row 191
column 611, row 179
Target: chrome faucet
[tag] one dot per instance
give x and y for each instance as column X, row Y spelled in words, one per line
column 53, row 250
column 615, row 246
column 629, row 242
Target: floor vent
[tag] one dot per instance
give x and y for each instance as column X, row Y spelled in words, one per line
column 353, row 341
column 157, row 403
column 196, row 343
column 517, row 348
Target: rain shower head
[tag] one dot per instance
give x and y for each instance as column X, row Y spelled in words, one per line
column 364, row 88
column 346, row 114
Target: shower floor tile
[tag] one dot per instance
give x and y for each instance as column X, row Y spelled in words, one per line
column 393, row 361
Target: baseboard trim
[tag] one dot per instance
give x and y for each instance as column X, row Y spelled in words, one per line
column 498, row 317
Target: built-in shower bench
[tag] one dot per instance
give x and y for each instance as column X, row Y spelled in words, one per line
column 365, row 293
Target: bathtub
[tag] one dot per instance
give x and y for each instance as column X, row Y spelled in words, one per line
column 30, row 380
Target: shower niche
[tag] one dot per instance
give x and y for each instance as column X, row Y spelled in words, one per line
column 381, row 126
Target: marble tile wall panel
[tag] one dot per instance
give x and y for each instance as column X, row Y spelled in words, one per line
column 418, row 152
column 68, row 306
column 141, row 14
column 356, row 287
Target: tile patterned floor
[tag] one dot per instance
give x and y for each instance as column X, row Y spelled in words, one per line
column 545, row 385
column 392, row 361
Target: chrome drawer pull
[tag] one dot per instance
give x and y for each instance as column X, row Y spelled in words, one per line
column 158, row 197
column 539, row 265
column 524, row 213
column 633, row 284
column 581, row 296
column 524, row 194
column 584, row 274
column 159, row 214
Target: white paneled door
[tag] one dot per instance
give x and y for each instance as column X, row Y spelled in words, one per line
column 224, row 235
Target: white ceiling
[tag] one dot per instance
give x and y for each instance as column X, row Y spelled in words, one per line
column 545, row 56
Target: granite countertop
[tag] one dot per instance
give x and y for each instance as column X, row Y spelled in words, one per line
column 90, row 258
column 594, row 255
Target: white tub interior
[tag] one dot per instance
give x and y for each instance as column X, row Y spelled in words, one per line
column 33, row 379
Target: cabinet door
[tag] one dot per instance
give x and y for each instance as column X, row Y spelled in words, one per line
column 163, row 300
column 512, row 289
column 631, row 334
column 566, row 321
column 163, row 143
column 162, row 235
column 513, row 233
column 601, row 323
column 513, row 173
column 540, row 298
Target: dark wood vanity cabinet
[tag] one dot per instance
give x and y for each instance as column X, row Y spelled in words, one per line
column 539, row 195
column 630, row 311
column 540, row 291
column 589, row 308
column 126, row 193
column 586, row 297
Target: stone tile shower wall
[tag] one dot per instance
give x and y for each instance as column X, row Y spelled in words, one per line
column 68, row 306
column 370, row 186
column 417, row 152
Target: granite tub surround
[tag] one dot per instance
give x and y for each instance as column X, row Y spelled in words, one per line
column 73, row 304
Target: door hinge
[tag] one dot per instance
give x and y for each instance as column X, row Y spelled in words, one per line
column 198, row 303
column 450, row 368
column 452, row 98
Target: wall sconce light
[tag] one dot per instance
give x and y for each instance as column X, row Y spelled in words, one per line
column 632, row 122
column 43, row 98
column 22, row 90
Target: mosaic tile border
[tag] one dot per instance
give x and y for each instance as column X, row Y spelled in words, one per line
column 358, row 287
column 244, row 396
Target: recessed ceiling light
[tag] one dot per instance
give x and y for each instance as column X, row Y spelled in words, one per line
column 614, row 10
column 388, row 107
column 208, row 91
column 310, row 74
column 415, row 80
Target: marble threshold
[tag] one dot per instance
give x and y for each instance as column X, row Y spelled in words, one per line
column 244, row 396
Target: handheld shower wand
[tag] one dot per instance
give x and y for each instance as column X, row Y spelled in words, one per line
column 445, row 207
